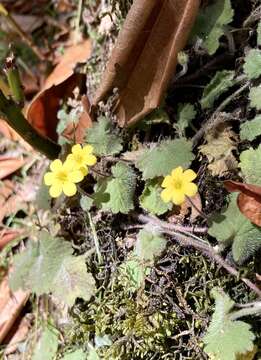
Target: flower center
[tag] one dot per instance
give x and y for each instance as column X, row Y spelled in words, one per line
column 62, row 176
column 177, row 184
column 78, row 158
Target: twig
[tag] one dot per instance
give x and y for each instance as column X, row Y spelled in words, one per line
column 20, row 32
column 214, row 118
column 14, row 117
column 190, row 240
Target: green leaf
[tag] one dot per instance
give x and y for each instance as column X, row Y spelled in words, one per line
column 75, row 355
column 225, row 339
column 249, row 161
column 48, row 266
column 252, row 66
column 86, row 202
column 231, row 227
column 220, row 83
column 164, row 157
column 121, row 189
column 149, row 245
column 47, row 345
column 186, row 113
column 103, row 139
column 132, row 273
column 92, row 354
column 150, row 199
column 255, row 97
column 43, row 199
column 250, row 129
column 259, row 33
column 211, row 24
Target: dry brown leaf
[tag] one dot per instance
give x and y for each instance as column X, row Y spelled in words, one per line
column 42, row 112
column 20, row 333
column 7, row 131
column 248, row 201
column 145, row 56
column 7, row 235
column 10, row 202
column 9, row 165
column 11, row 305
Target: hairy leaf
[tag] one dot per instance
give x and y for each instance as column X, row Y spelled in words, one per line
column 231, row 227
column 149, row 245
column 75, row 355
column 102, row 138
column 86, row 202
column 250, row 129
column 132, row 273
column 255, row 97
column 249, row 160
column 47, row 266
column 252, row 66
column 259, row 33
column 145, row 55
column 186, row 113
column 220, row 83
column 47, row 345
column 164, row 157
column 211, row 24
column 225, row 339
column 121, row 189
column 221, row 142
column 151, row 200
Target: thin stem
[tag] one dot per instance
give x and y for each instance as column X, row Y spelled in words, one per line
column 214, row 119
column 20, row 32
column 196, row 208
column 253, row 310
column 14, row 117
column 95, row 238
column 14, row 81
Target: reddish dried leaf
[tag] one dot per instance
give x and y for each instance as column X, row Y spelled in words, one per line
column 145, row 56
column 7, row 131
column 248, row 201
column 9, row 166
column 7, row 235
column 42, row 112
column 19, row 334
column 11, row 305
column 10, row 202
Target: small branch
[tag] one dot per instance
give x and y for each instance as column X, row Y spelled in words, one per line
column 211, row 122
column 14, row 117
column 185, row 239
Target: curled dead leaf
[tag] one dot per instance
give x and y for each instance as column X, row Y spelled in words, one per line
column 7, row 235
column 42, row 112
column 11, row 305
column 145, row 55
column 9, row 165
column 248, row 201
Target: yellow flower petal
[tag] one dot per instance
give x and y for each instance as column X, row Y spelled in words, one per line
column 166, row 195
column 76, row 149
column 189, row 175
column 190, row 189
column 69, row 164
column 177, row 173
column 178, row 197
column 56, row 165
column 48, row 178
column 69, row 188
column 84, row 170
column 76, row 176
column 87, row 149
column 167, row 181
column 55, row 190
column 91, row 160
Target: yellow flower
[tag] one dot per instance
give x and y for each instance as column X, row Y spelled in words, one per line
column 62, row 178
column 82, row 157
column 178, row 185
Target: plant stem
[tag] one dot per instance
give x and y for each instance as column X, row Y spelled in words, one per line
column 255, row 309
column 186, row 239
column 95, row 238
column 14, row 81
column 20, row 32
column 14, row 117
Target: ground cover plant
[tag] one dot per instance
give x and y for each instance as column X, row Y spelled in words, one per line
column 130, row 180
